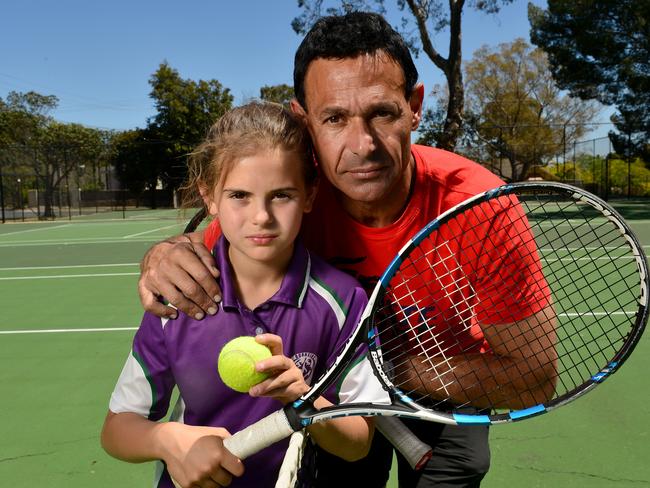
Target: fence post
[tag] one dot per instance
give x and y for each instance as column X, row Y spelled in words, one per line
column 2, row 195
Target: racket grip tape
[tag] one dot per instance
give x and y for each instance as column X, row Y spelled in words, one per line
column 257, row 436
column 416, row 452
column 261, row 434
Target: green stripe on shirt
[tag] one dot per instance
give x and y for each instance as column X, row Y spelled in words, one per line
column 333, row 300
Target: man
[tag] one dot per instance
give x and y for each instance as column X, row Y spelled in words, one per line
column 357, row 92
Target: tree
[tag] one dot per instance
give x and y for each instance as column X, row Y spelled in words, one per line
column 22, row 118
column 62, row 152
column 281, row 94
column 600, row 49
column 426, row 18
column 186, row 110
column 518, row 110
column 23, row 115
column 138, row 161
column 35, row 144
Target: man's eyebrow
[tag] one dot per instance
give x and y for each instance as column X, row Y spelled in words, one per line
column 383, row 105
column 333, row 110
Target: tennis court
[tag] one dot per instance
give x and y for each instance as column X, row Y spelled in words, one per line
column 70, row 310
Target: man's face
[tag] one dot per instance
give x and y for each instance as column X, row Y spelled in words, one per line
column 361, row 124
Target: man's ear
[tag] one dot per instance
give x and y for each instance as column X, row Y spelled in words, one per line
column 298, row 110
column 415, row 102
column 311, row 197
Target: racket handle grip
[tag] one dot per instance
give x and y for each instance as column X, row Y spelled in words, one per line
column 257, row 436
column 416, row 452
column 261, row 434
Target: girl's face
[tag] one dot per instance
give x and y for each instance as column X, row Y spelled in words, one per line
column 260, row 206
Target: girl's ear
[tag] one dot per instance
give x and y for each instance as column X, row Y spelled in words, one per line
column 312, row 190
column 208, row 200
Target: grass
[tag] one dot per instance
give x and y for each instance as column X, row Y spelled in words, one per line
column 82, row 274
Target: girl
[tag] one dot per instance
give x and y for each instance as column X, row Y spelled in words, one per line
column 255, row 174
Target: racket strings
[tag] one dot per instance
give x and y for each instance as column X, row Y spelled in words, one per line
column 459, row 281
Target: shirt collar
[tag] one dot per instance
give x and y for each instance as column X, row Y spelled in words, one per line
column 294, row 284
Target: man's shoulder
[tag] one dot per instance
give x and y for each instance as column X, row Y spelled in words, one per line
column 452, row 171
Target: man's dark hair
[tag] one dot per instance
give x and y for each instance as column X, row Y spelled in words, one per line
column 349, row 36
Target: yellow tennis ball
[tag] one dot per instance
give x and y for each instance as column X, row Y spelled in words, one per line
column 237, row 360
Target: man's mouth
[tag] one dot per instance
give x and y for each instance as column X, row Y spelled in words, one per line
column 366, row 172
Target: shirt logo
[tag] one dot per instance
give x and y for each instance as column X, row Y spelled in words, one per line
column 306, row 361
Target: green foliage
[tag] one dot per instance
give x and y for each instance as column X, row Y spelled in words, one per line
column 136, row 160
column 599, row 49
column 185, row 111
column 519, row 112
column 595, row 171
column 24, row 115
column 282, row 94
column 432, row 123
column 36, row 145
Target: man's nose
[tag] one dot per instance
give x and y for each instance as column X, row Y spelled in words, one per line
column 361, row 139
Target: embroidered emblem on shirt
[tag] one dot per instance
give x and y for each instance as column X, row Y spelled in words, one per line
column 306, row 361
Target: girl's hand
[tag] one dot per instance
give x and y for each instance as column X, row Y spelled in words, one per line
column 286, row 382
column 196, row 456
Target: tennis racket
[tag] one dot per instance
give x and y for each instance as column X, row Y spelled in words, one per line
column 515, row 302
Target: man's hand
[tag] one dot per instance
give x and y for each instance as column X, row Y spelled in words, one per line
column 181, row 270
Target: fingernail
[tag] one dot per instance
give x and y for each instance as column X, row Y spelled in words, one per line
column 212, row 311
column 217, row 298
column 173, row 315
column 199, row 316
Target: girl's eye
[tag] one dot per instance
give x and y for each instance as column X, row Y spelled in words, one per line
column 238, row 195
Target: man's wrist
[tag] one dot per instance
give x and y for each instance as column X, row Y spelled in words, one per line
column 155, row 251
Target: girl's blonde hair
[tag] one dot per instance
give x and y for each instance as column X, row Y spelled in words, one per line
column 242, row 132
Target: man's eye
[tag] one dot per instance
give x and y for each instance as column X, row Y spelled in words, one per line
column 333, row 119
column 281, row 196
column 383, row 113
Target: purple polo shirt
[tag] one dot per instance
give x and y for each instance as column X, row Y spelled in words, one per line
column 314, row 311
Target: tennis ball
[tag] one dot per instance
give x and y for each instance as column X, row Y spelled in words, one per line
column 237, row 360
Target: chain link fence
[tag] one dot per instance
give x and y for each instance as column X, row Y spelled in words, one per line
column 73, row 187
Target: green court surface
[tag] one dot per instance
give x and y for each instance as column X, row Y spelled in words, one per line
column 70, row 308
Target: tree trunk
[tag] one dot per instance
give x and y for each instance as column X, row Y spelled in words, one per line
column 454, row 75
column 451, row 67
column 48, row 200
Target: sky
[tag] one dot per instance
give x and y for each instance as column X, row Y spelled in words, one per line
column 97, row 57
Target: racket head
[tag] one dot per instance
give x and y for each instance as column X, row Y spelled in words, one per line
column 586, row 283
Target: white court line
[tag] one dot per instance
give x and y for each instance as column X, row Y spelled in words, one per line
column 63, row 331
column 117, row 329
column 12, row 278
column 34, row 230
column 149, row 231
column 76, row 242
column 71, row 266
column 594, row 314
